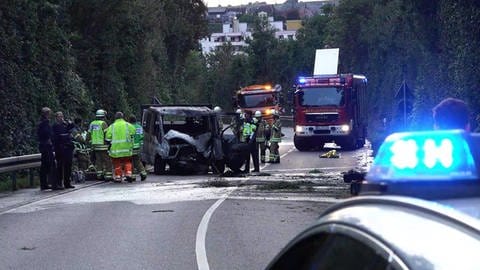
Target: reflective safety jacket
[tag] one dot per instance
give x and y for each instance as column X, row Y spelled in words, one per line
column 276, row 135
column 262, row 126
column 96, row 132
column 120, row 135
column 248, row 130
column 137, row 137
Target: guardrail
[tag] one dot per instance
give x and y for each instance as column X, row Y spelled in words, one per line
column 14, row 164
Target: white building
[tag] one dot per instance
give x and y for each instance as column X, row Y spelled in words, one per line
column 237, row 33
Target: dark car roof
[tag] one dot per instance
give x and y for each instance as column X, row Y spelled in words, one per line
column 184, row 110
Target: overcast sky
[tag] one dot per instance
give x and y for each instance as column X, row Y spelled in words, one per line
column 224, row 3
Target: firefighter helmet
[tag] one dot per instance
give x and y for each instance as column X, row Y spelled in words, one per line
column 239, row 111
column 276, row 113
column 258, row 114
column 217, row 109
column 100, row 113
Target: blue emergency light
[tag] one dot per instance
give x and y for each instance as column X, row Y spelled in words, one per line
column 424, row 156
column 302, row 80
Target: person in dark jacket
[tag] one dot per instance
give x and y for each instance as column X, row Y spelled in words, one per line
column 451, row 113
column 44, row 134
column 63, row 145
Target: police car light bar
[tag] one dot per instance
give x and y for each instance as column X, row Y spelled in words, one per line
column 424, row 156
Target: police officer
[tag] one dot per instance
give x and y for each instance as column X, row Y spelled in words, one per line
column 120, row 137
column 262, row 127
column 96, row 137
column 63, row 145
column 248, row 136
column 137, row 146
column 44, row 134
column 275, row 138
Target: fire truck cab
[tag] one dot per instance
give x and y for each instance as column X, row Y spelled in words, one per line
column 330, row 108
column 259, row 97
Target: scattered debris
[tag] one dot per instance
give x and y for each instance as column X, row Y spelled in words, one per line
column 331, row 145
column 27, row 248
column 261, row 174
column 315, row 171
column 230, row 173
column 280, row 185
column 217, row 183
column 330, row 154
column 162, row 211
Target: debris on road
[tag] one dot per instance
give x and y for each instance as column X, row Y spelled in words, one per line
column 330, row 154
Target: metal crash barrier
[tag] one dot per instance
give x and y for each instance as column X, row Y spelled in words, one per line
column 14, row 164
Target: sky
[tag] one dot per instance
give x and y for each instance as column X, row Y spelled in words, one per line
column 224, row 3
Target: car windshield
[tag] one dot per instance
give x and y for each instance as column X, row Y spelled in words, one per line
column 257, row 100
column 321, row 96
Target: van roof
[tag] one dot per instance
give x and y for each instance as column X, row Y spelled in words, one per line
column 183, row 110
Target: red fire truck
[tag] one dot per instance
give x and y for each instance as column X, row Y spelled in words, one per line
column 330, row 108
column 259, row 97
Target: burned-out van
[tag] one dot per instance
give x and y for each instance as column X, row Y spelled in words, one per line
column 187, row 139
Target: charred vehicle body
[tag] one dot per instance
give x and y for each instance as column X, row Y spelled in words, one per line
column 187, row 139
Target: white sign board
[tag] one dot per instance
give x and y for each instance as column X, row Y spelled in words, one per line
column 326, row 61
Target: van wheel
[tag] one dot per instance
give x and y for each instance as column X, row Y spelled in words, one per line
column 159, row 166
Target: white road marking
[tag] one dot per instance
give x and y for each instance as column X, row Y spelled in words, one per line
column 200, row 250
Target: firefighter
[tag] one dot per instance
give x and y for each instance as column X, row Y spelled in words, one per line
column 137, row 146
column 275, row 138
column 81, row 152
column 237, row 123
column 120, row 135
column 262, row 127
column 248, row 136
column 96, row 138
column 218, row 112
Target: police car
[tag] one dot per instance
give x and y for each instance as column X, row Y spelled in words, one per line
column 419, row 208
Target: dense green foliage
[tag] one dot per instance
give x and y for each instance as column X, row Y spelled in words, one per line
column 432, row 46
column 78, row 56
